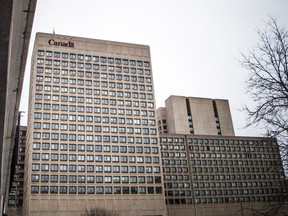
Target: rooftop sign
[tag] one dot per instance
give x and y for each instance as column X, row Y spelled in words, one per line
column 61, row 43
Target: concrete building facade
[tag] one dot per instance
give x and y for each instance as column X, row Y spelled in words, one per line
column 208, row 170
column 191, row 115
column 92, row 138
column 222, row 175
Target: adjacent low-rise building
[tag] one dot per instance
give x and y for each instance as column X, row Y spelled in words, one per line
column 208, row 170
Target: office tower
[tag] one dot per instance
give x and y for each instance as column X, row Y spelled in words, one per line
column 92, row 138
column 208, row 173
column 191, row 115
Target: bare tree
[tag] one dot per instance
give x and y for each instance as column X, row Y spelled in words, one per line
column 99, row 212
column 267, row 84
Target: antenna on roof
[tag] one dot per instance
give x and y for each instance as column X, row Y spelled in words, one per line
column 53, row 31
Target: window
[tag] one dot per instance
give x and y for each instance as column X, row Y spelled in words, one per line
column 63, row 167
column 34, row 189
column 37, row 135
column 54, row 167
column 90, row 168
column 80, row 57
column 99, row 190
column 72, row 168
column 63, row 189
column 37, row 125
column 90, row 190
column 35, row 178
column 72, row 189
column 54, row 178
column 44, row 167
column 108, row 179
column 72, row 157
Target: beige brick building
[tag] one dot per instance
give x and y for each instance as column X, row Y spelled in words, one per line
column 92, row 134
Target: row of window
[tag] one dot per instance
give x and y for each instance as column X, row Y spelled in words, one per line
column 97, row 91
column 245, row 176
column 223, row 200
column 97, row 148
column 237, row 177
column 230, row 169
column 92, row 158
column 217, row 141
column 55, row 74
column 232, row 142
column 91, row 128
column 236, row 162
column 111, row 85
column 214, row 169
column 82, row 57
column 232, row 148
column 197, row 193
column 91, row 109
column 175, row 169
column 97, row 168
column 206, row 148
column 181, row 192
column 98, row 190
column 238, row 199
column 90, row 100
column 98, row 119
column 174, row 162
column 240, row 184
column 93, row 138
column 97, row 83
column 81, row 66
column 95, row 179
column 229, row 155
column 235, row 192
column 173, row 154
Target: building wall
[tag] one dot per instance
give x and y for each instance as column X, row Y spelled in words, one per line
column 161, row 120
column 75, row 206
column 224, row 116
column 199, row 116
column 216, row 175
column 177, row 117
column 92, row 133
column 203, row 116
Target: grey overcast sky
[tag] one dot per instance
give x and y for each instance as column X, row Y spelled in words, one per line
column 195, row 44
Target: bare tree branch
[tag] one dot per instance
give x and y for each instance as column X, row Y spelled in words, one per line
column 267, row 84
